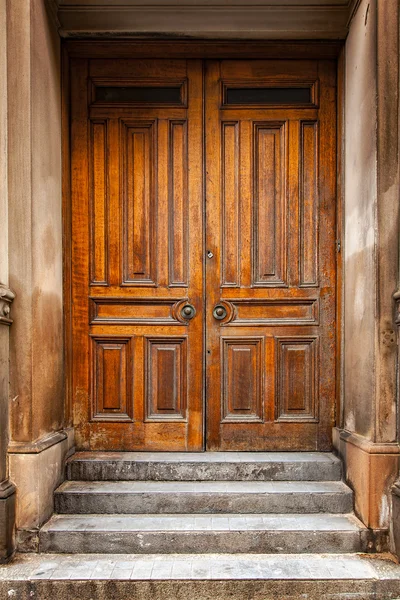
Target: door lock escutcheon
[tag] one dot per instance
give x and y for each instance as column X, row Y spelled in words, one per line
column 219, row 312
column 188, row 311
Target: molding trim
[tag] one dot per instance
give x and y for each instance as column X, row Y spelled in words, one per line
column 39, row 445
column 7, row 489
column 203, row 49
column 367, row 445
column 53, row 7
column 260, row 19
column 6, row 298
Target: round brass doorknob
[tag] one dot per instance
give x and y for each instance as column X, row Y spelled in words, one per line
column 188, row 312
column 219, row 312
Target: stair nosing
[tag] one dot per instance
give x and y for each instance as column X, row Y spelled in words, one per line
column 350, row 518
column 162, row 487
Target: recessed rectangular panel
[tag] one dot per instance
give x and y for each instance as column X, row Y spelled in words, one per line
column 242, row 379
column 144, row 95
column 112, row 379
column 297, row 379
column 166, row 379
column 230, row 204
column 139, row 202
column 309, row 215
column 268, row 95
column 269, row 205
column 178, row 204
column 254, row 312
column 135, row 311
column 99, row 203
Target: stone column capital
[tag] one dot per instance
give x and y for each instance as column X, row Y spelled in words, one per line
column 6, row 298
column 396, row 298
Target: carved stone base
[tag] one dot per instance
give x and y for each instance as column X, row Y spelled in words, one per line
column 7, row 519
column 37, row 469
column 370, row 469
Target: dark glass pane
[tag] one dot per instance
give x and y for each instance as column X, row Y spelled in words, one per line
column 151, row 95
column 268, row 95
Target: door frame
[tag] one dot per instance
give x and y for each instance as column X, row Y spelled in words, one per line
column 201, row 49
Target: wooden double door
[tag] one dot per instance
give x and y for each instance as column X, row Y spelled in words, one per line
column 203, row 254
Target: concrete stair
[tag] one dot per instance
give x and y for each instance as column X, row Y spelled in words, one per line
column 242, row 526
column 209, row 497
column 200, row 577
column 201, row 503
column 229, row 533
column 204, row 466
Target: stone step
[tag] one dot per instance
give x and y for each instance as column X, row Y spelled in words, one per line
column 233, row 533
column 243, row 497
column 216, row 576
column 204, row 466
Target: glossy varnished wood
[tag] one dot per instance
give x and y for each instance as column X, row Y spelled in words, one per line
column 145, row 213
column 271, row 206
column 137, row 237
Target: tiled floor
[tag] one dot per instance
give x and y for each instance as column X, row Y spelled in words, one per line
column 213, row 566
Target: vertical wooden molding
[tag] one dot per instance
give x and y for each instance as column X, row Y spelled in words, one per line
column 339, row 416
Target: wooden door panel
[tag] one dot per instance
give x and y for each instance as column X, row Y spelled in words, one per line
column 112, row 390
column 138, row 228
column 243, row 379
column 137, row 254
column 271, row 177
column 166, row 383
column 269, row 205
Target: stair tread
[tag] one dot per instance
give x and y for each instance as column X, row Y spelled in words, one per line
column 205, row 457
column 201, row 523
column 314, row 567
column 193, row 487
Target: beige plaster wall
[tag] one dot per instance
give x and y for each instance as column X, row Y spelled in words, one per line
column 34, row 104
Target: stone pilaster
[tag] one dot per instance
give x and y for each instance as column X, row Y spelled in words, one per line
column 368, row 438
column 37, row 447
